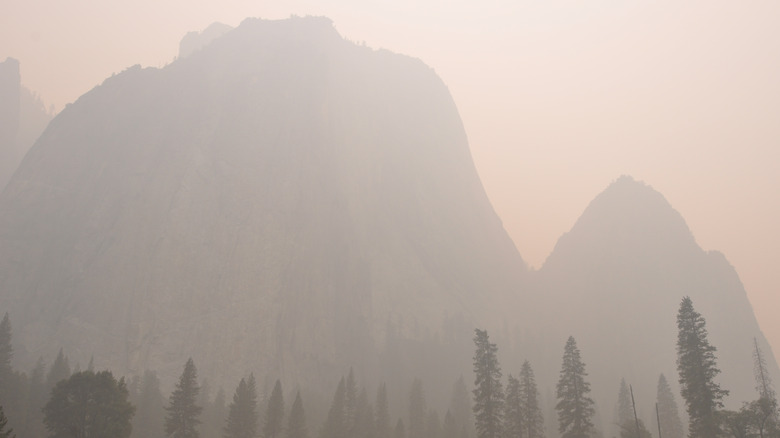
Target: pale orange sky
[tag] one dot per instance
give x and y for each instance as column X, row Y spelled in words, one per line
column 558, row 98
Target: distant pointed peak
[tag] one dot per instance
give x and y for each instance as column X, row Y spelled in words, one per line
column 626, row 190
column 628, row 216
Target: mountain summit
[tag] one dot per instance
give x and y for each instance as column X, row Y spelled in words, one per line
column 268, row 203
column 617, row 279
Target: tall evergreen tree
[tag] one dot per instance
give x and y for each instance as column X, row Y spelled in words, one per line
column 87, row 405
column 575, row 408
column 488, row 391
column 624, row 413
column 764, row 409
column 3, row 423
column 668, row 413
column 461, row 408
column 36, row 399
column 761, row 373
column 533, row 420
column 149, row 420
column 364, row 427
column 242, row 413
column 628, row 425
column 274, row 415
column 335, row 425
column 208, row 428
column 450, row 427
column 296, row 425
column 382, row 413
column 183, row 412
column 6, row 354
column 350, row 404
column 219, row 408
column 59, row 370
column 417, row 410
column 697, row 368
column 737, row 424
column 12, row 385
column 513, row 415
column 629, row 430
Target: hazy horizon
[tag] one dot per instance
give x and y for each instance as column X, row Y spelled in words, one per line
column 558, row 99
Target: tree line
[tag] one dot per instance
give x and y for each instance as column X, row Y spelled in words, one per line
column 515, row 413
column 60, row 403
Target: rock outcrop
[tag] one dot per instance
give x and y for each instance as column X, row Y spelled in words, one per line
column 615, row 281
column 267, row 203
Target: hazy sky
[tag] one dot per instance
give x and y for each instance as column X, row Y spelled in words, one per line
column 558, row 98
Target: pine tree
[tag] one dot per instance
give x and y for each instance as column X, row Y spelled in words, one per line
column 450, row 427
column 36, row 399
column 764, row 409
column 461, row 408
column 488, row 392
column 364, row 417
column 624, row 410
column 207, row 427
column 533, row 420
column 183, row 412
column 382, row 413
column 417, row 410
column 219, row 409
column 629, row 430
column 89, row 404
column 513, row 415
column 335, row 424
column 669, row 414
column 6, row 354
column 350, row 404
column 11, row 384
column 575, row 408
column 628, row 424
column 296, row 426
column 274, row 415
column 697, row 368
column 149, row 421
column 60, row 370
column 242, row 413
column 3, row 422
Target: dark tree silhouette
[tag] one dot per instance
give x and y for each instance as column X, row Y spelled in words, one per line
column 533, row 420
column 296, row 425
column 88, row 405
column 242, row 413
column 183, row 412
column 697, row 368
column 488, row 392
column 575, row 408
column 274, row 415
column 668, row 413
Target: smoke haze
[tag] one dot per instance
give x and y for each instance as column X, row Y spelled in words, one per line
column 557, row 99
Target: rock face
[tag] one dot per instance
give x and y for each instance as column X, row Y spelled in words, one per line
column 194, row 41
column 267, row 203
column 285, row 202
column 616, row 280
column 10, row 87
column 22, row 118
